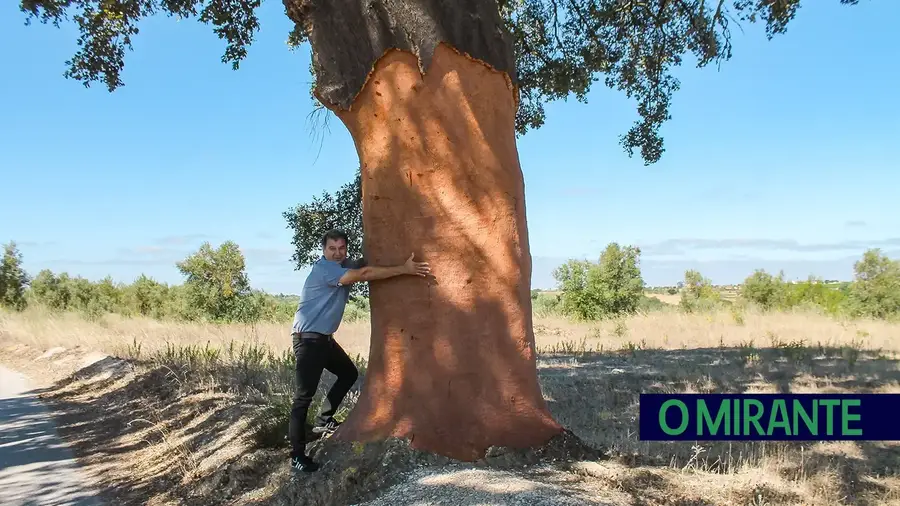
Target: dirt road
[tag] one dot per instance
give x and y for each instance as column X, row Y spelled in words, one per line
column 36, row 468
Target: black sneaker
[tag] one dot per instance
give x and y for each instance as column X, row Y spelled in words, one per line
column 304, row 463
column 327, row 429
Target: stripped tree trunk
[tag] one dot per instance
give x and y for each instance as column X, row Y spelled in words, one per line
column 427, row 91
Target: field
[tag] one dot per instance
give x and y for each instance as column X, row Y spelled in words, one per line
column 169, row 419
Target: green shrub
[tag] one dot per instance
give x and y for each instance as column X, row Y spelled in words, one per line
column 698, row 294
column 764, row 290
column 650, row 304
column 610, row 287
column 357, row 310
column 875, row 290
column 546, row 304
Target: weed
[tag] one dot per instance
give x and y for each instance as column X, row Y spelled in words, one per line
column 620, row 330
column 737, row 315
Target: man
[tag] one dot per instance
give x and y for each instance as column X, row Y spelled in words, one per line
column 322, row 302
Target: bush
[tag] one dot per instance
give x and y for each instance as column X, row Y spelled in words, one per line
column 813, row 294
column 613, row 286
column 357, row 310
column 545, row 304
column 698, row 294
column 774, row 293
column 650, row 304
column 764, row 290
column 875, row 290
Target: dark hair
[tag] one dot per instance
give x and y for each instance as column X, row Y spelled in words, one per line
column 334, row 235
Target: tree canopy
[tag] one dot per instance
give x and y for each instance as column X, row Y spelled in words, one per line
column 13, row 278
column 310, row 221
column 216, row 282
column 561, row 46
column 612, row 286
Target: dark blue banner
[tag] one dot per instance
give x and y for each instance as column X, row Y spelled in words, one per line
column 772, row 417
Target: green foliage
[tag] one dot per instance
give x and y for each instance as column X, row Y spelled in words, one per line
column 147, row 297
column 13, row 278
column 814, row 292
column 764, row 289
column 217, row 287
column 357, row 310
column 343, row 211
column 875, row 290
column 576, row 300
column 613, row 286
column 51, row 290
column 650, row 304
column 545, row 304
column 697, row 293
column 560, row 47
column 65, row 293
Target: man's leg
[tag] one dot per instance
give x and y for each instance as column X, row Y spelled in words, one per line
column 311, row 358
column 339, row 364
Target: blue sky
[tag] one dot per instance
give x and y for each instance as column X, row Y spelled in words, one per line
column 784, row 158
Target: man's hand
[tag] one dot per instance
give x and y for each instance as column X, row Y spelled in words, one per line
column 416, row 268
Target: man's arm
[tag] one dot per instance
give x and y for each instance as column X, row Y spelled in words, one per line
column 354, row 264
column 372, row 272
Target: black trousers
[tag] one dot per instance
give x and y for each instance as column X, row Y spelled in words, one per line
column 313, row 355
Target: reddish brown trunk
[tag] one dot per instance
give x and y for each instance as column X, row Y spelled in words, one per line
column 452, row 361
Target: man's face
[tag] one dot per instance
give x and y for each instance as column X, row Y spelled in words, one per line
column 335, row 250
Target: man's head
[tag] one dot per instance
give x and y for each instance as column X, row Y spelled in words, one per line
column 334, row 245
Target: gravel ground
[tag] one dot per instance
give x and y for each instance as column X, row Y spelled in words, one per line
column 489, row 487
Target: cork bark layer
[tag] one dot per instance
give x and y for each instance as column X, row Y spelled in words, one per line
column 349, row 36
column 452, row 360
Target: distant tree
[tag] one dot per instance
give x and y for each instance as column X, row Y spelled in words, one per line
column 577, row 299
column 216, row 286
column 610, row 287
column 698, row 292
column 875, row 290
column 147, row 297
column 619, row 276
column 13, row 278
column 696, row 283
column 107, row 295
column 764, row 289
column 814, row 293
column 50, row 290
column 309, row 222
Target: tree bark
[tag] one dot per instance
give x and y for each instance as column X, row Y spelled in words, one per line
column 452, row 359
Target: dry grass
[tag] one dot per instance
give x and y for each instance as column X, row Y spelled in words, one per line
column 658, row 330
column 592, row 375
column 115, row 334
column 665, row 297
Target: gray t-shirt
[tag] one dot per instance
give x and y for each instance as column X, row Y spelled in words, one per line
column 323, row 298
